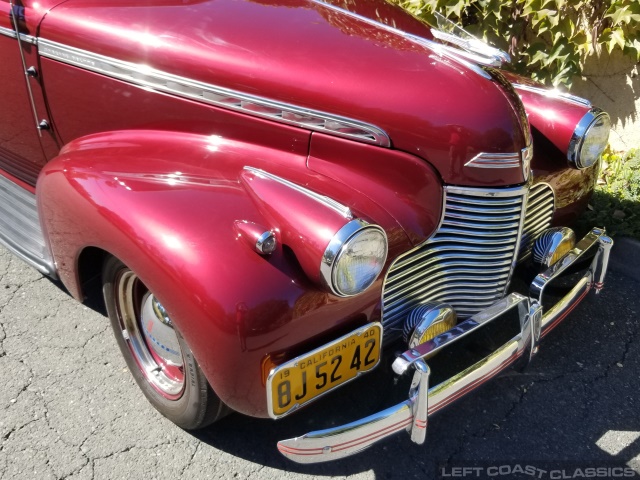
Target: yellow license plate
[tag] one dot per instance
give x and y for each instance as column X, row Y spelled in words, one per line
column 305, row 378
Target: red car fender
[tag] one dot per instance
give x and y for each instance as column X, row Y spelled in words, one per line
column 554, row 117
column 166, row 204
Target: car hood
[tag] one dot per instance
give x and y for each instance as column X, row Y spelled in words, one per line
column 314, row 55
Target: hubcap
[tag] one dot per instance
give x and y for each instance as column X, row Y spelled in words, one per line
column 150, row 335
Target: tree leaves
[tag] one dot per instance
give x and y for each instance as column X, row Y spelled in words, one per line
column 548, row 40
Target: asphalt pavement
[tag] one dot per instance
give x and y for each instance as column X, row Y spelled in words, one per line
column 69, row 408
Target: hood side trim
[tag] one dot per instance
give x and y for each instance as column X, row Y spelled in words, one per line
column 147, row 77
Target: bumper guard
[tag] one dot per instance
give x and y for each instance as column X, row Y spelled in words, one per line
column 412, row 414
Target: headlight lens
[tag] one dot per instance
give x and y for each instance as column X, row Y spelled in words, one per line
column 354, row 258
column 589, row 139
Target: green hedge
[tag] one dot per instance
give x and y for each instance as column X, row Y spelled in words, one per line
column 616, row 202
column 549, row 40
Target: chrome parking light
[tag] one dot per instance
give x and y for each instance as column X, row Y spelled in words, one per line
column 412, row 414
column 428, row 321
column 552, row 245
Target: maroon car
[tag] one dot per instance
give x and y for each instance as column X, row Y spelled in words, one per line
column 278, row 194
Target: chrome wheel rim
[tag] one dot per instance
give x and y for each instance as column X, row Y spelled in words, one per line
column 158, row 357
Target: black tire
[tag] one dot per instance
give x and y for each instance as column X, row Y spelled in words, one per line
column 186, row 399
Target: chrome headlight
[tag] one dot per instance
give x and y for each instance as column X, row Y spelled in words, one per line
column 354, row 258
column 589, row 139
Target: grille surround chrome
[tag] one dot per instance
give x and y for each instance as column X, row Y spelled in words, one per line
column 460, row 264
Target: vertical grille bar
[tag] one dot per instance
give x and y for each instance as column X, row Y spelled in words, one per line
column 467, row 263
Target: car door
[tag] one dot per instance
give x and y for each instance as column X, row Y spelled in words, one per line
column 22, row 109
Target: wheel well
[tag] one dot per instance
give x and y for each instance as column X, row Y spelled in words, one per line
column 89, row 267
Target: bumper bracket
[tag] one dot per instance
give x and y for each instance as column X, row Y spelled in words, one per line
column 412, row 414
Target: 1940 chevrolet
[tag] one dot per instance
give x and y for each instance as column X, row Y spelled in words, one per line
column 276, row 192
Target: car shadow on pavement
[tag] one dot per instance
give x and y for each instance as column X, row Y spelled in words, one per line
column 576, row 406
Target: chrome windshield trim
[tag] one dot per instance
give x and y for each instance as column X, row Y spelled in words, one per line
column 460, row 56
column 326, row 201
column 157, row 80
column 552, row 93
column 7, row 32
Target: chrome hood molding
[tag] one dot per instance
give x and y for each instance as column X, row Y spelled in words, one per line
column 144, row 76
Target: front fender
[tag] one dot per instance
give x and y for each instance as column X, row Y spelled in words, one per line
column 166, row 204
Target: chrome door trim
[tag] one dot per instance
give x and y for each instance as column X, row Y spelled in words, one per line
column 7, row 32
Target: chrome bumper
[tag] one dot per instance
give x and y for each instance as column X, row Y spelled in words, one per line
column 412, row 414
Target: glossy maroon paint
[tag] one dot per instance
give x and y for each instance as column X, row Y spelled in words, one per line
column 555, row 118
column 553, row 121
column 432, row 107
column 158, row 181
column 304, row 224
column 120, row 192
column 408, row 188
column 34, row 12
column 22, row 151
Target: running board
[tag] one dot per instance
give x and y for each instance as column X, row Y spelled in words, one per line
column 20, row 229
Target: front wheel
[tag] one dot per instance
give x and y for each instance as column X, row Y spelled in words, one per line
column 157, row 355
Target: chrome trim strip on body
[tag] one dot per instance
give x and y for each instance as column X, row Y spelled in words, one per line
column 459, row 56
column 153, row 79
column 323, row 199
column 552, row 93
column 495, row 160
column 7, row 32
column 341, row 441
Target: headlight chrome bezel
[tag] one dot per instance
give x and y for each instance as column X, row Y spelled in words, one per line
column 581, row 132
column 338, row 244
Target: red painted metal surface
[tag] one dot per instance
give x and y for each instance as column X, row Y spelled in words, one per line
column 158, row 181
column 553, row 121
column 432, row 107
column 554, row 117
column 22, row 151
column 121, row 192
column 408, row 188
column 34, row 11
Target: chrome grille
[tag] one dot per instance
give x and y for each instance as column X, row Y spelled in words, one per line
column 467, row 263
column 540, row 206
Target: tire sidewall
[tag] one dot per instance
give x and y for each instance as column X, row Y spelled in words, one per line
column 188, row 411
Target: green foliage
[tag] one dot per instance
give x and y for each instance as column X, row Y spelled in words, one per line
column 616, row 201
column 548, row 40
